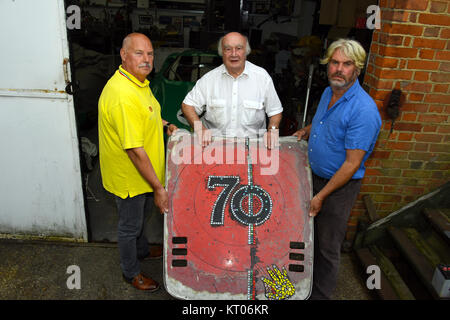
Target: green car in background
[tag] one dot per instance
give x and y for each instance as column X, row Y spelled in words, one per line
column 177, row 76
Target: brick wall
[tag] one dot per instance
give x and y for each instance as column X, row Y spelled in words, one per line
column 410, row 52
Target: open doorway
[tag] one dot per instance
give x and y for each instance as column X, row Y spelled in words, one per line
column 94, row 53
column 287, row 38
column 94, row 59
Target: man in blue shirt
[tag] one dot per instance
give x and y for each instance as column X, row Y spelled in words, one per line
column 340, row 139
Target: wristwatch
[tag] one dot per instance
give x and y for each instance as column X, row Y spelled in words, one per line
column 167, row 125
column 273, row 128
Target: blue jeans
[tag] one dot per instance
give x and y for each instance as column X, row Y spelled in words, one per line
column 130, row 232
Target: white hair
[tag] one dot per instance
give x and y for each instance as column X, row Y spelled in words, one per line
column 220, row 49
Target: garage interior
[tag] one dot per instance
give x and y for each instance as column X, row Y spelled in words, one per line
column 287, row 39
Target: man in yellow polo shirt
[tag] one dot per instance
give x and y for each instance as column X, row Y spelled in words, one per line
column 131, row 148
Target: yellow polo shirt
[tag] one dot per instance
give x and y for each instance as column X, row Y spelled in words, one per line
column 129, row 116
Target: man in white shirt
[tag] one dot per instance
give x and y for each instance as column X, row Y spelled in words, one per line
column 236, row 96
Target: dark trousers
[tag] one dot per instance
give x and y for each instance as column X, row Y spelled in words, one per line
column 330, row 226
column 131, row 239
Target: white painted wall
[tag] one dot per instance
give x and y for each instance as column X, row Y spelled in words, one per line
column 40, row 180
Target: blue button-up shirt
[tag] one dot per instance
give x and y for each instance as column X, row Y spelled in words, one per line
column 353, row 122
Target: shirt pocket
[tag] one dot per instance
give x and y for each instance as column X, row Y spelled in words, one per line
column 253, row 112
column 215, row 112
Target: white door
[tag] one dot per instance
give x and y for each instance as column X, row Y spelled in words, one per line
column 40, row 181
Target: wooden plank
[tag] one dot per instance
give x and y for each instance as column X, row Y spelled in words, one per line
column 421, row 244
column 392, row 275
column 370, row 208
column 386, row 292
column 439, row 220
column 416, row 259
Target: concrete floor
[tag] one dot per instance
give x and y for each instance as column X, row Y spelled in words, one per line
column 37, row 270
column 351, row 283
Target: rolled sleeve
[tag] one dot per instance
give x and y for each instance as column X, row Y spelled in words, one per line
column 363, row 130
column 272, row 102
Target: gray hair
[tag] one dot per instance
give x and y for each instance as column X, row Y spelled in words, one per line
column 247, row 45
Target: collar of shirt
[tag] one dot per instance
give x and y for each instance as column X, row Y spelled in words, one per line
column 132, row 78
column 245, row 72
column 349, row 93
column 352, row 90
column 346, row 97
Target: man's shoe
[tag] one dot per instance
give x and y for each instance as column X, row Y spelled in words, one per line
column 155, row 252
column 143, row 283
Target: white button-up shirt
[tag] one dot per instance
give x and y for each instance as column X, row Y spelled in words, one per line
column 237, row 107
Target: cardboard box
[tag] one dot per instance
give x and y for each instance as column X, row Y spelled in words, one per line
column 337, row 33
column 328, row 12
column 343, row 13
column 362, row 5
column 347, row 13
